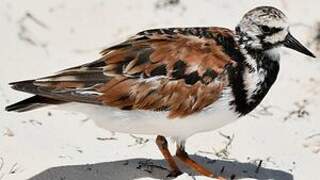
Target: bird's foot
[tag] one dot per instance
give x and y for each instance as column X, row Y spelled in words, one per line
column 174, row 173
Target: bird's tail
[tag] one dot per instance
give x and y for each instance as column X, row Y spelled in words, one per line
column 32, row 103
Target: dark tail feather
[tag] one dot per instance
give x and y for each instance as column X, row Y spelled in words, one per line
column 32, row 103
column 25, row 86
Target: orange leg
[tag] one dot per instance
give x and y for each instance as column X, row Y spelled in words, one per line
column 163, row 146
column 184, row 157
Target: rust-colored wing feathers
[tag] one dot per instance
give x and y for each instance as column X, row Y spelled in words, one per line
column 179, row 70
column 165, row 71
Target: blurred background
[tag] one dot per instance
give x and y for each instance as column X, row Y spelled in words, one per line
column 279, row 140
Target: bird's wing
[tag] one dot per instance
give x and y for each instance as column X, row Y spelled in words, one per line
column 180, row 70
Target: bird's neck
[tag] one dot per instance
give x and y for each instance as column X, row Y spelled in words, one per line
column 253, row 77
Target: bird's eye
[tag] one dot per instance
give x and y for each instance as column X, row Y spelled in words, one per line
column 265, row 29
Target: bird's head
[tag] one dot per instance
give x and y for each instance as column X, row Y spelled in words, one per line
column 266, row 27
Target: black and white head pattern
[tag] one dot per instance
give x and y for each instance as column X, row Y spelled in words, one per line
column 264, row 27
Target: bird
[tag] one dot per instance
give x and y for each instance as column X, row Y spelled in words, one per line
column 172, row 82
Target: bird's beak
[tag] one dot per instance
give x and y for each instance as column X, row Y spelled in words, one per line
column 293, row 43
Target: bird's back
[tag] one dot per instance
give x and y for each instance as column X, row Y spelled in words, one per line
column 152, row 70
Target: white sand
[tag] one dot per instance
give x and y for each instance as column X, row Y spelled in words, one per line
column 59, row 147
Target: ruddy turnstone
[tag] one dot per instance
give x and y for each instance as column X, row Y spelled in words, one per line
column 172, row 82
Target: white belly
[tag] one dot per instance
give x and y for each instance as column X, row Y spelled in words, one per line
column 157, row 123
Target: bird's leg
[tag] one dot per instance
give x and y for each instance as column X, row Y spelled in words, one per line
column 163, row 146
column 184, row 157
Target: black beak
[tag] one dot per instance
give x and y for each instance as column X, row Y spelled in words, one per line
column 292, row 43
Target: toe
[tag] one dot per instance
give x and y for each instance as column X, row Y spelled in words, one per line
column 174, row 173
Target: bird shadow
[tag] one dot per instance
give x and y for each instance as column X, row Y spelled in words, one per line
column 152, row 168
